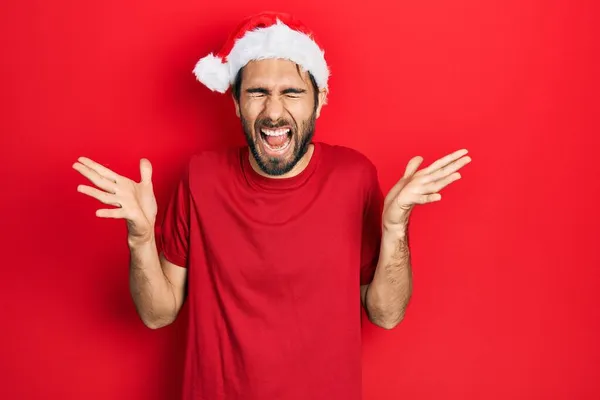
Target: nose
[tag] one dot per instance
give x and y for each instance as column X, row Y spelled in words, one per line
column 274, row 108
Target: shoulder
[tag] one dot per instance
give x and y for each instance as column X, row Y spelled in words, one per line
column 212, row 159
column 209, row 165
column 350, row 162
column 214, row 163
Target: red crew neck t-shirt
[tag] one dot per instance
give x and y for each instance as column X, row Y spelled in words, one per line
column 274, row 274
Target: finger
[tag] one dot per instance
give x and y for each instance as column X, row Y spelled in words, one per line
column 110, row 213
column 449, row 169
column 441, row 183
column 95, row 178
column 100, row 169
column 103, row 197
column 442, row 162
column 145, row 170
column 429, row 198
column 419, row 199
column 412, row 166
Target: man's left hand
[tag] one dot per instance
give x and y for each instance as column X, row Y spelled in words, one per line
column 420, row 187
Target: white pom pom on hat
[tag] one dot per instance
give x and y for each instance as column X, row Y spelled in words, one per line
column 262, row 36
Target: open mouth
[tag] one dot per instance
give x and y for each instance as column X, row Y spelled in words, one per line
column 276, row 141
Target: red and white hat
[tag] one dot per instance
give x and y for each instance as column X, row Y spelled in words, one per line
column 263, row 36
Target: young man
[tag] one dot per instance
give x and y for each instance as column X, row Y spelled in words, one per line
column 275, row 245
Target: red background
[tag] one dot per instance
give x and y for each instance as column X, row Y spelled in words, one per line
column 506, row 265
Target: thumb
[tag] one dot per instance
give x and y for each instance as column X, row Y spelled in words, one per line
column 411, row 169
column 146, row 170
column 412, row 166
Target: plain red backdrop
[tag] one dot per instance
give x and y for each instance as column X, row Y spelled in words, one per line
column 506, row 265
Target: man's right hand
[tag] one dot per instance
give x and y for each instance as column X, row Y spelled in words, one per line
column 134, row 201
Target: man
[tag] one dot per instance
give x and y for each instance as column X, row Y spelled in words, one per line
column 275, row 245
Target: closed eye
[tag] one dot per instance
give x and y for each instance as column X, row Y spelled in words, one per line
column 293, row 91
column 290, row 92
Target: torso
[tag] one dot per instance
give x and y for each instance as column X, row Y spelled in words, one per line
column 274, row 277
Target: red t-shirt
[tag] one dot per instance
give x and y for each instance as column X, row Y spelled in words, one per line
column 274, row 270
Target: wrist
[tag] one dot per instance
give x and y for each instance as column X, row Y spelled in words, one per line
column 140, row 241
column 395, row 231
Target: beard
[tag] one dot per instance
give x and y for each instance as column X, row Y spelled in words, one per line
column 300, row 142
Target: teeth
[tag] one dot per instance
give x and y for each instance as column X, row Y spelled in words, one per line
column 277, row 132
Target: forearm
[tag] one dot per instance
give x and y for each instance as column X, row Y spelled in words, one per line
column 389, row 292
column 151, row 291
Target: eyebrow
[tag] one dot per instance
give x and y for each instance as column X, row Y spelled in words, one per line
column 294, row 90
column 266, row 91
column 257, row 90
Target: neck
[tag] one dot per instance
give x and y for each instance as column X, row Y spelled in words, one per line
column 298, row 168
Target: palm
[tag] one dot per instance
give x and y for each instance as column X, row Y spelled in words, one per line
column 147, row 201
column 421, row 187
column 143, row 195
column 134, row 201
column 393, row 207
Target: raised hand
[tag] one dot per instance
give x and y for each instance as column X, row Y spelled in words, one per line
column 133, row 201
column 421, row 187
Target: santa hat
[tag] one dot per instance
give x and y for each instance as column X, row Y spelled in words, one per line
column 263, row 36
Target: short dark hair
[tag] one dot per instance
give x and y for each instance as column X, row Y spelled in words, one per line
column 237, row 85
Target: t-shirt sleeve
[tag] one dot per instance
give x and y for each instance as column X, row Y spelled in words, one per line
column 175, row 226
column 371, row 229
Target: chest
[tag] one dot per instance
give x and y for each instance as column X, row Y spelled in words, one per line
column 277, row 243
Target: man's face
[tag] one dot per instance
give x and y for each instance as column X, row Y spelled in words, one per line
column 278, row 113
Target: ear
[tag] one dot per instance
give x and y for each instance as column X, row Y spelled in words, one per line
column 236, row 104
column 322, row 100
